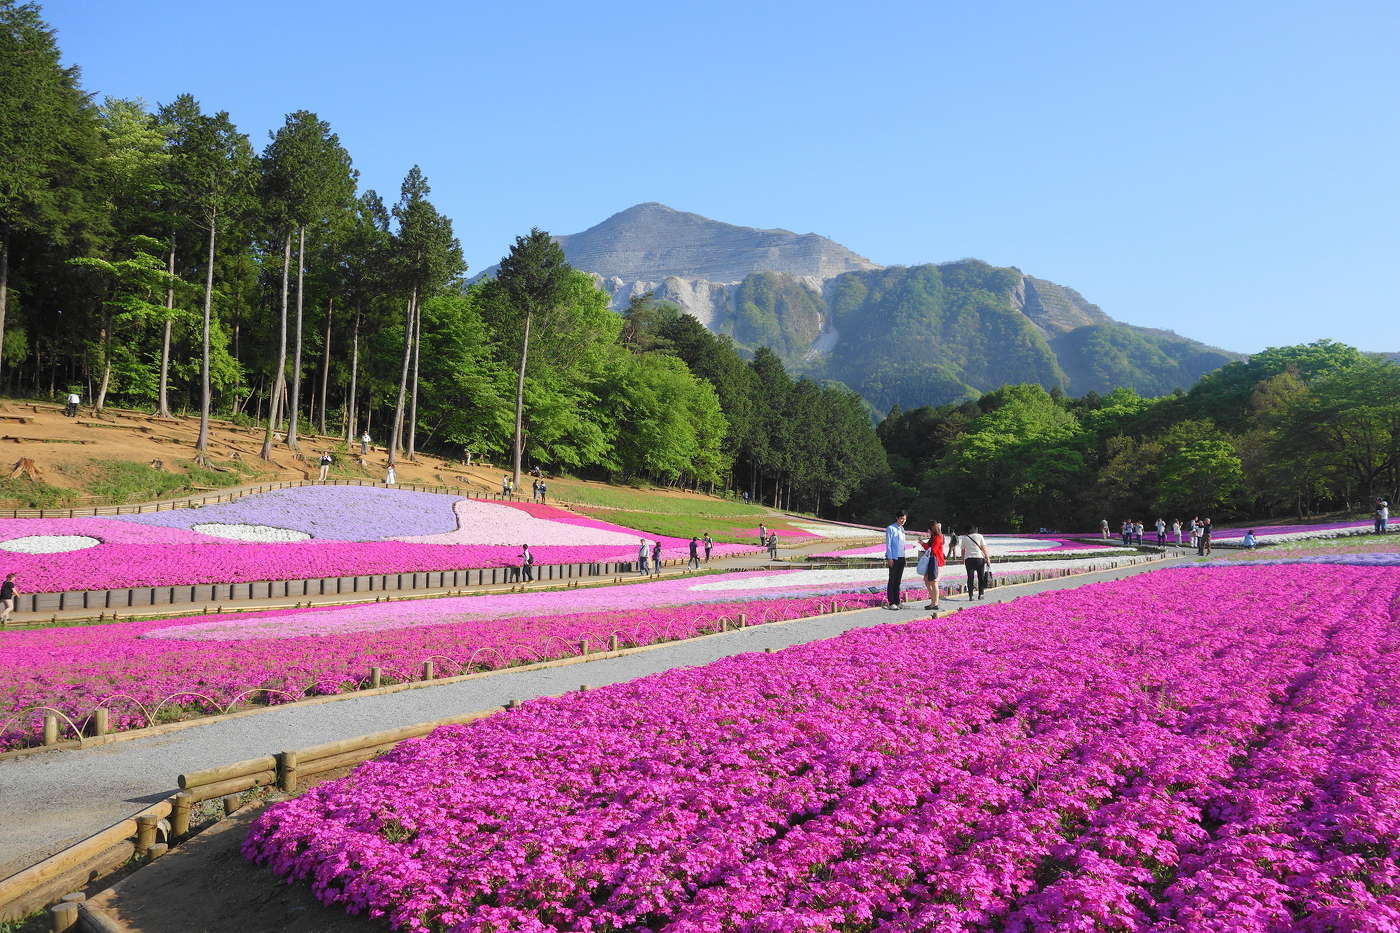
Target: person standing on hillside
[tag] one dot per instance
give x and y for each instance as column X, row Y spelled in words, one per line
column 772, row 545
column 709, row 546
column 8, row 595
column 642, row 552
column 694, row 553
column 762, row 534
column 364, row 443
column 894, row 559
column 1204, row 548
column 1176, row 530
column 390, row 476
column 325, row 465
column 933, row 559
column 1161, row 532
column 1382, row 516
column 976, row 560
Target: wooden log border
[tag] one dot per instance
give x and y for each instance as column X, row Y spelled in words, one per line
column 132, row 600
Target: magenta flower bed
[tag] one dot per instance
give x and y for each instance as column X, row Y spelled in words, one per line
column 1196, row 749
column 133, row 667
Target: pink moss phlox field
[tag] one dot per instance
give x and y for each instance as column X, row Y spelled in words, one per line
column 1188, row 750
column 159, row 549
column 75, row 669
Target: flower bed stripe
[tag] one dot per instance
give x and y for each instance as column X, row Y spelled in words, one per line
column 1112, row 757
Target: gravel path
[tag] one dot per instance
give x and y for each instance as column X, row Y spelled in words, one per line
column 52, row 799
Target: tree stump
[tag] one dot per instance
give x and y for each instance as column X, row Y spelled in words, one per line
column 24, row 466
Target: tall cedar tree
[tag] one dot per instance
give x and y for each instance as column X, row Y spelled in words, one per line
column 211, row 165
column 534, row 276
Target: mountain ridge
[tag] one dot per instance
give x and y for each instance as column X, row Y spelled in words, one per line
column 908, row 335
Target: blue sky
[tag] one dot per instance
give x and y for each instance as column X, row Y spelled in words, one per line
column 1225, row 170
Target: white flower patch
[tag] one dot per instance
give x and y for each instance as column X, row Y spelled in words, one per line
column 262, row 534
column 837, row 531
column 49, row 544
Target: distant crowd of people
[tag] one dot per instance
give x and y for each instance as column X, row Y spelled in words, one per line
column 1199, row 529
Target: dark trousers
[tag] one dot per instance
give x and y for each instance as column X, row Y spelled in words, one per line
column 976, row 574
column 896, row 578
column 527, row 572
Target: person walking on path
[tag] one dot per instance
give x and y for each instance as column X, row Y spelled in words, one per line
column 364, row 443
column 709, row 546
column 656, row 557
column 894, row 559
column 1161, row 532
column 325, row 465
column 1176, row 530
column 1127, row 532
column 932, row 559
column 71, row 408
column 505, row 485
column 1382, row 516
column 1203, row 549
column 694, row 553
column 642, row 552
column 762, row 534
column 1103, row 528
column 772, row 545
column 976, row 560
column 7, row 598
column 527, row 563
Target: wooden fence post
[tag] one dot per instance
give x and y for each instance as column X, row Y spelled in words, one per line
column 427, row 670
column 612, row 642
column 287, row 772
column 63, row 917
column 101, row 721
column 50, row 729
column 376, row 677
column 180, row 814
column 145, row 833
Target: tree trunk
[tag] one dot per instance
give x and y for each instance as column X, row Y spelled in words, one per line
column 106, row 336
column 163, row 408
column 294, row 404
column 520, row 399
column 5, row 288
column 326, row 366
column 352, row 412
column 280, row 375
column 403, row 380
column 202, row 444
column 413, row 402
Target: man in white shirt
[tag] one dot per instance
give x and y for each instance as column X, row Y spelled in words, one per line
column 894, row 558
column 1382, row 516
column 72, row 408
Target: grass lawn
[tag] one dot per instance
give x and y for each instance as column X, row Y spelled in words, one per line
column 735, row 529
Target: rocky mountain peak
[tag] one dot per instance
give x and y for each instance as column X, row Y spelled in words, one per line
column 651, row 242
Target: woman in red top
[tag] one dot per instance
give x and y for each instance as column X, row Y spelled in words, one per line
column 933, row 544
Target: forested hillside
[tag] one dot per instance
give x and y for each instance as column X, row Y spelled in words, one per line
column 154, row 256
column 1294, row 430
